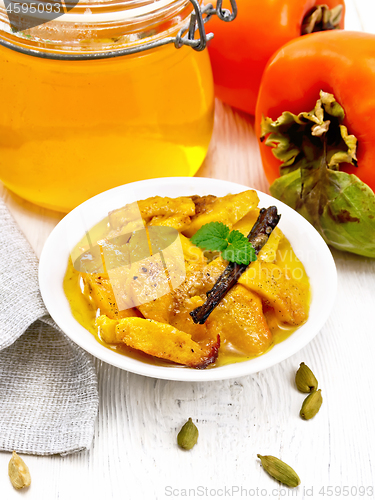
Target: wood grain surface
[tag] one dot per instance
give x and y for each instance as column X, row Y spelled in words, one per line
column 134, row 453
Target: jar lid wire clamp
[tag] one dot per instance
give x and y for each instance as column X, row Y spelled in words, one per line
column 185, row 36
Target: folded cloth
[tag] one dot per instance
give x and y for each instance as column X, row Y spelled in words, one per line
column 48, row 385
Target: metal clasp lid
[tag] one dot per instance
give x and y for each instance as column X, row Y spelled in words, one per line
column 186, row 36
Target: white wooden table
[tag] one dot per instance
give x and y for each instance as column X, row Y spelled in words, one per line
column 134, row 453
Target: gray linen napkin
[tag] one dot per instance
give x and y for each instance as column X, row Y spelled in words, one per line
column 48, row 385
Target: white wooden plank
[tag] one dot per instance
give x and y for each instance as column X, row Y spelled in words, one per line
column 134, row 454
column 365, row 11
column 353, row 21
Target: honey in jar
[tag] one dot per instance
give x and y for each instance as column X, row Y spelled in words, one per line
column 86, row 108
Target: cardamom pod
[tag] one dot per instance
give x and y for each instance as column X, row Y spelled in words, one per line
column 305, row 379
column 311, row 405
column 188, row 435
column 18, row 472
column 280, row 470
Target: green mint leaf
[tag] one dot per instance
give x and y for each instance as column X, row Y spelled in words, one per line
column 239, row 250
column 212, row 236
column 233, row 245
column 237, row 238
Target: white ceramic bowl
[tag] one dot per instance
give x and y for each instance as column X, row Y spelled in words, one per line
column 305, row 240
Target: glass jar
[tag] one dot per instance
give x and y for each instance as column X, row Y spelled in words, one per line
column 100, row 97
